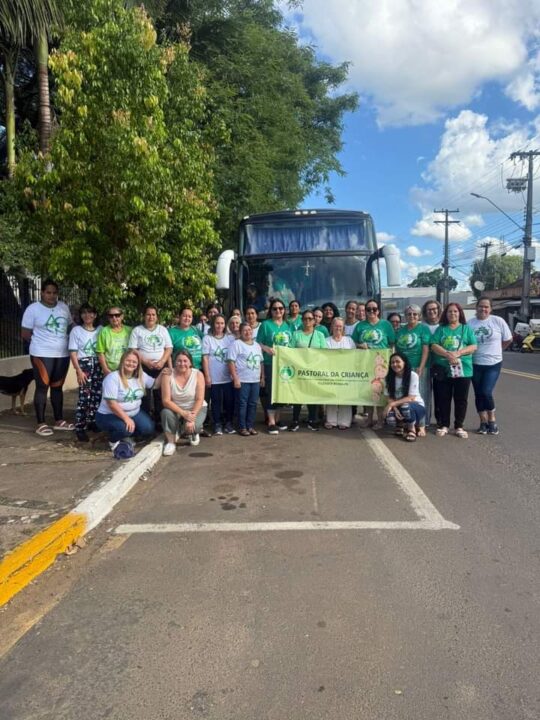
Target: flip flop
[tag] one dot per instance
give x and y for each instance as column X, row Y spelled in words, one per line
column 44, row 430
column 63, row 425
column 410, row 436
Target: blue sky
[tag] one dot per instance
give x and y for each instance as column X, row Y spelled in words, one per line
column 447, row 92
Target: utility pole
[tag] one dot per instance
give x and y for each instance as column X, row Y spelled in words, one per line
column 528, row 250
column 446, row 261
column 485, row 247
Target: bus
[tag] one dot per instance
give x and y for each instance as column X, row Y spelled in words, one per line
column 312, row 256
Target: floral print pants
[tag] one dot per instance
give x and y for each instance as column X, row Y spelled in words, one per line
column 89, row 393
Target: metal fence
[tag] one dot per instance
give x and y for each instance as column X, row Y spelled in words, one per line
column 16, row 293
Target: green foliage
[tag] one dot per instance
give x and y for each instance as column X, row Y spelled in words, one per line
column 278, row 102
column 124, row 208
column 496, row 272
column 431, row 279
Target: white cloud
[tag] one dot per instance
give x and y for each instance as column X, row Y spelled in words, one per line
column 524, row 88
column 426, row 227
column 416, row 58
column 384, row 238
column 472, row 158
column 414, row 251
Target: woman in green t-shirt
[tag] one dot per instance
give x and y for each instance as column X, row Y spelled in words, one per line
column 453, row 345
column 273, row 331
column 307, row 338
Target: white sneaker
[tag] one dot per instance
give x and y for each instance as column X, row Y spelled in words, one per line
column 194, row 439
column 114, row 445
column 169, row 449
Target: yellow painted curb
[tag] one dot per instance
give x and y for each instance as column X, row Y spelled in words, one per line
column 28, row 560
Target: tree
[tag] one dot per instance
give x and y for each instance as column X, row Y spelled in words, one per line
column 496, row 272
column 125, row 208
column 432, row 278
column 22, row 23
column 280, row 105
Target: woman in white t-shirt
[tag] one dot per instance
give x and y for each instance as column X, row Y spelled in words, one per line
column 120, row 414
column 217, row 377
column 45, row 325
column 154, row 344
column 82, row 350
column 339, row 415
column 405, row 408
column 246, row 367
column 492, row 337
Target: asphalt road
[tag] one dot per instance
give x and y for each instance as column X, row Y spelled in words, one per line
column 383, row 623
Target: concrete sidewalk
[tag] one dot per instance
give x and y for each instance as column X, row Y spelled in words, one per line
column 52, row 491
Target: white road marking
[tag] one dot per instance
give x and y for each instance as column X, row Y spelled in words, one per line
column 429, row 517
column 144, row 528
column 520, row 373
column 421, row 504
column 315, row 498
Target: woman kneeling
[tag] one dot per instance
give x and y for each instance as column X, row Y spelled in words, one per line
column 405, row 408
column 120, row 413
column 183, row 402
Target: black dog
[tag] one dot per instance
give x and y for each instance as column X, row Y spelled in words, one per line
column 17, row 386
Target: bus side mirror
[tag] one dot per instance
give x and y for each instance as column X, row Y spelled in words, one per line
column 390, row 254
column 223, row 270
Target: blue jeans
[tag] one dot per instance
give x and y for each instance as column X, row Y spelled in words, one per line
column 116, row 427
column 484, row 379
column 247, row 395
column 413, row 413
column 222, row 403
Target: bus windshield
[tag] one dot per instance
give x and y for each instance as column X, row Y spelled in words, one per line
column 310, row 234
column 310, row 279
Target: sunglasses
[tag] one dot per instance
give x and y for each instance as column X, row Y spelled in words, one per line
column 114, row 314
column 372, row 309
column 308, row 317
column 277, row 308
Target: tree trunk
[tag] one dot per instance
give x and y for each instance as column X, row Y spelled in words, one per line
column 10, row 63
column 42, row 57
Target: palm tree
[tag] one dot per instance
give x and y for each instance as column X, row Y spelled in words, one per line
column 22, row 23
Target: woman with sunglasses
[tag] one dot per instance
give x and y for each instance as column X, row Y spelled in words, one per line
column 307, row 338
column 274, row 331
column 113, row 340
column 394, row 318
column 413, row 342
column 373, row 334
column 453, row 345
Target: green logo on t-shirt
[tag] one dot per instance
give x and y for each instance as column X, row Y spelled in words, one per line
column 483, row 334
column 407, row 341
column 56, row 325
column 132, row 395
column 90, row 347
column 253, row 361
column 282, row 338
column 154, row 341
column 450, row 342
column 221, row 355
column 192, row 342
column 372, row 336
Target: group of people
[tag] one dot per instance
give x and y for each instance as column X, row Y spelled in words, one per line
column 132, row 380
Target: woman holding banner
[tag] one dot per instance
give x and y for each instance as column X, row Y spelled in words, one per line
column 273, row 331
column 373, row 334
column 339, row 415
column 308, row 337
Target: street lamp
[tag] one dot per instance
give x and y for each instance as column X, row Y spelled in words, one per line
column 528, row 252
column 483, row 197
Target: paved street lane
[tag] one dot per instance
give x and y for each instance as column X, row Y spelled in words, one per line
column 380, row 623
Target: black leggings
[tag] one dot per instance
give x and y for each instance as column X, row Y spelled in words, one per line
column 49, row 373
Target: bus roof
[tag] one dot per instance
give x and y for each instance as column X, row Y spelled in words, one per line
column 326, row 213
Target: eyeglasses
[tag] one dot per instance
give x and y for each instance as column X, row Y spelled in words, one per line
column 308, row 317
column 114, row 314
column 372, row 309
column 411, row 314
column 278, row 308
